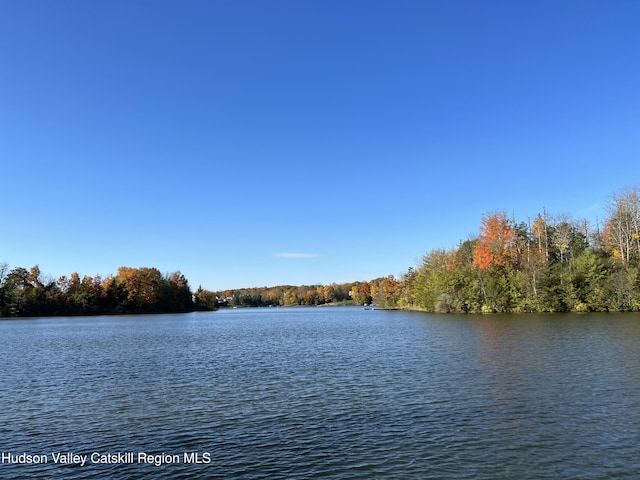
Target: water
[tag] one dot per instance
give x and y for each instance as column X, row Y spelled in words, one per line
column 340, row 393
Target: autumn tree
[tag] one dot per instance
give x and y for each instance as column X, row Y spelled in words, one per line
column 496, row 242
column 540, row 233
column 291, row 297
column 361, row 293
column 329, row 293
column 143, row 287
column 406, row 295
column 388, row 291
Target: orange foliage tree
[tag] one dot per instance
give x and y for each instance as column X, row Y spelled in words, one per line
column 495, row 243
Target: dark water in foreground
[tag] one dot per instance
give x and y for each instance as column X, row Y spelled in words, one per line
column 322, row 393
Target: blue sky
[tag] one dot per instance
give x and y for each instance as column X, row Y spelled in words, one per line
column 259, row 143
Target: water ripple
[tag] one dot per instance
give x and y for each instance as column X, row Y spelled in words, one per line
column 326, row 393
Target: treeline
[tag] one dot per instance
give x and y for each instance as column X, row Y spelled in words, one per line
column 284, row 295
column 385, row 290
column 546, row 264
column 133, row 290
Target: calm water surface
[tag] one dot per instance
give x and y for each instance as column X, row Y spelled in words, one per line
column 309, row 393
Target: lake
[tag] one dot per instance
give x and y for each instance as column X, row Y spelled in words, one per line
column 331, row 392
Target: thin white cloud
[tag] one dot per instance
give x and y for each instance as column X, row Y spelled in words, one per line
column 296, row 255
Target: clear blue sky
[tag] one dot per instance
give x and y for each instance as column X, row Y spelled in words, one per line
column 267, row 142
